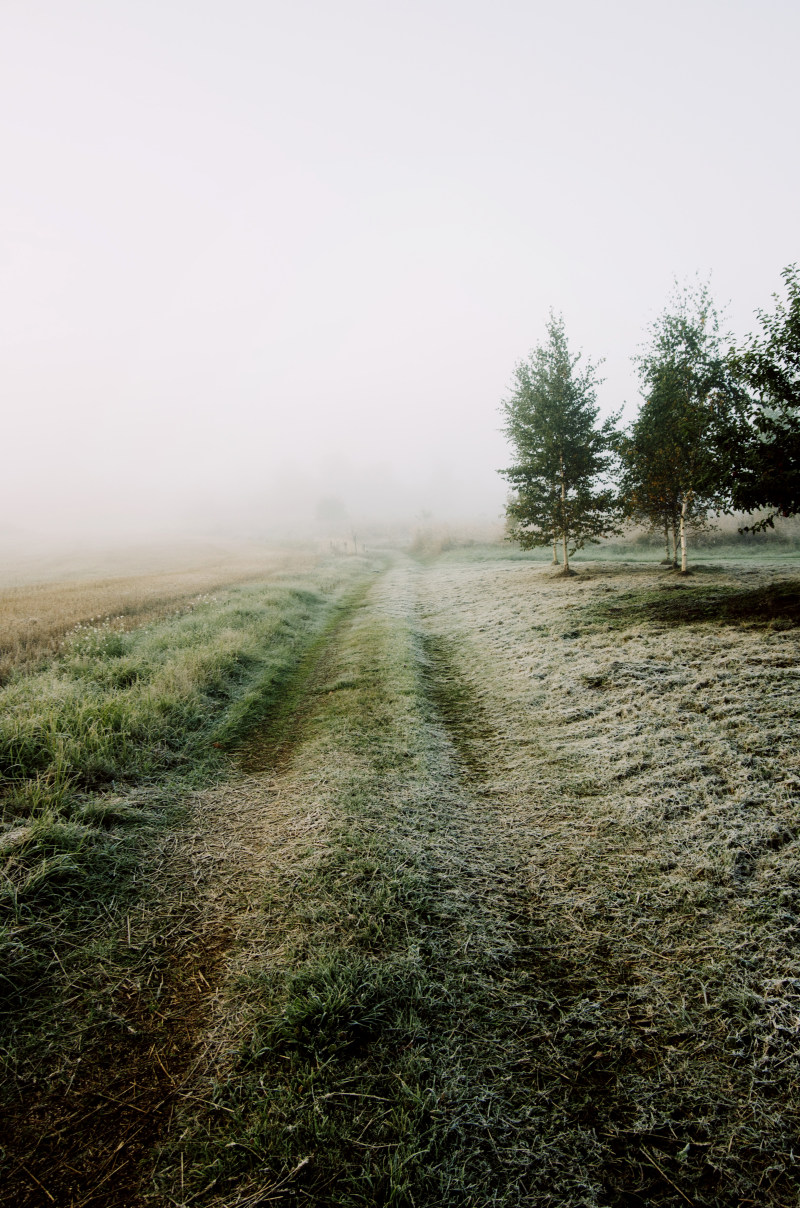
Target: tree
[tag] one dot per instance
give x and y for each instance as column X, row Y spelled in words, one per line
column 769, row 364
column 648, row 483
column 679, row 455
column 562, row 456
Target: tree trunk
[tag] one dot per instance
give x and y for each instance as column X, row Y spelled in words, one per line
column 666, row 539
column 564, row 518
column 674, row 546
column 685, row 505
column 555, row 553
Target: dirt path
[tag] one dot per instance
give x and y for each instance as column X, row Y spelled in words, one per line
column 388, row 981
column 495, row 919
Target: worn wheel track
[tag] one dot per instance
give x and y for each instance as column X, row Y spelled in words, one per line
column 88, row 1144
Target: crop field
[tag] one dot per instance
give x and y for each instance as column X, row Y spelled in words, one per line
column 38, row 610
column 408, row 880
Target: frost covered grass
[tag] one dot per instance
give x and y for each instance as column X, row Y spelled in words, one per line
column 506, row 911
column 730, row 555
column 533, row 948
column 773, row 604
column 640, row 739
column 368, row 1051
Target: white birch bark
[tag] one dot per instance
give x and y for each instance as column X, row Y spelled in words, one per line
column 685, row 505
column 564, row 518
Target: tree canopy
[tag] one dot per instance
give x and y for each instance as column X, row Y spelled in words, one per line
column 649, row 487
column 678, row 456
column 769, row 364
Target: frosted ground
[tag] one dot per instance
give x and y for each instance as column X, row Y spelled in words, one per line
column 495, row 903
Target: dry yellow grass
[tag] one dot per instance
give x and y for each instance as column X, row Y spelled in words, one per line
column 34, row 618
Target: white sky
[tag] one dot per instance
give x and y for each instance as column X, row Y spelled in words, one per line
column 252, row 249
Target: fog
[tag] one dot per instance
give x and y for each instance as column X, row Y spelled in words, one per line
column 256, row 256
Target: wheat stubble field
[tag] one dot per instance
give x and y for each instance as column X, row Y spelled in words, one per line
column 410, row 882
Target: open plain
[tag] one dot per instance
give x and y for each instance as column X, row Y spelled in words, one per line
column 410, row 881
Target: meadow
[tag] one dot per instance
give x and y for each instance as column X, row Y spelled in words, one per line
column 39, row 605
column 412, row 880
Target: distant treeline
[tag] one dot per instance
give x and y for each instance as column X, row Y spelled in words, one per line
column 717, row 432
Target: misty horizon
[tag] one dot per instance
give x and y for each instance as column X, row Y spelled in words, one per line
column 258, row 257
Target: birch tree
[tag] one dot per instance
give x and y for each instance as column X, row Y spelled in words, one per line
column 560, row 491
column 649, row 481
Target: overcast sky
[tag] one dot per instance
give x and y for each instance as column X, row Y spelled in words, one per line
column 254, row 250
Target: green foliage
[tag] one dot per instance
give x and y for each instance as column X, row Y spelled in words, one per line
column 694, row 402
column 648, row 485
column 562, row 455
column 769, row 364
